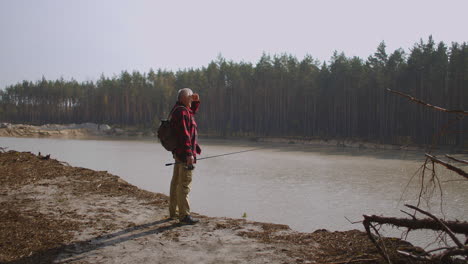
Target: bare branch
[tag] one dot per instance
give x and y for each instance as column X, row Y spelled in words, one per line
column 442, row 248
column 384, row 248
column 448, row 166
column 409, row 182
column 411, row 98
column 441, row 222
column 461, row 180
column 457, row 160
column 355, row 222
column 412, row 216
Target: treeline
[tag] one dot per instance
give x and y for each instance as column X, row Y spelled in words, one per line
column 278, row 96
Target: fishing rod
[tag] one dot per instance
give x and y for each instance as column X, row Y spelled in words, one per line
column 237, row 152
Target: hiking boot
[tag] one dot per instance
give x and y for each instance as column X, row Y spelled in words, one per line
column 188, row 220
column 174, row 215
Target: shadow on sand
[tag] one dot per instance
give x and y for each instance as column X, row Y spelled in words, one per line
column 74, row 252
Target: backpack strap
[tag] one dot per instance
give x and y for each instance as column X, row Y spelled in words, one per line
column 173, row 110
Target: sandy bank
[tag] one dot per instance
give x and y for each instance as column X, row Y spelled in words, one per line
column 51, row 212
column 85, row 130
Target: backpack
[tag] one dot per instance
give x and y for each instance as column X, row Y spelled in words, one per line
column 166, row 135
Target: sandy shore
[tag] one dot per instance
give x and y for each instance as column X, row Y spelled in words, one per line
column 85, row 130
column 51, row 212
column 11, row 130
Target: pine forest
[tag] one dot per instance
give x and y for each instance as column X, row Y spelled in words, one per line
column 278, row 96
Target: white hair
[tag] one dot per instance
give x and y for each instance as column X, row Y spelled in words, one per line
column 184, row 92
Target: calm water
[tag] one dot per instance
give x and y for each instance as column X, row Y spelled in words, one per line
column 304, row 187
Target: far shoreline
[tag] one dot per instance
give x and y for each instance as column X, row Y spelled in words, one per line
column 90, row 131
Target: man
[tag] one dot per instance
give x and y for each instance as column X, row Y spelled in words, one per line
column 185, row 154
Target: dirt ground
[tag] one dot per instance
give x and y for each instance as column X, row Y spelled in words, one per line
column 51, row 212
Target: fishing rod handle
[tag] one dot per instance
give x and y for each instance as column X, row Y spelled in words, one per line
column 173, row 163
column 188, row 167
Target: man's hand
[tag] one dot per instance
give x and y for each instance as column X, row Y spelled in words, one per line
column 190, row 160
column 195, row 97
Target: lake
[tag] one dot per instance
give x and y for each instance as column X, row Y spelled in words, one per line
column 305, row 187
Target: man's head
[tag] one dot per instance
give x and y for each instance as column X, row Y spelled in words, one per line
column 185, row 96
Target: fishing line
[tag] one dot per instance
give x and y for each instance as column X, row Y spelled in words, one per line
column 215, row 156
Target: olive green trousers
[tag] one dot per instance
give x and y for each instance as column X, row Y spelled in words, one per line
column 180, row 188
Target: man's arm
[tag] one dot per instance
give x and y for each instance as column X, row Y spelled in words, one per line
column 195, row 103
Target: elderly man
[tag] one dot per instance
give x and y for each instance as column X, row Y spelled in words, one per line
column 185, row 155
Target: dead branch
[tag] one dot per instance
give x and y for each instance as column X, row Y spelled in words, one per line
column 426, row 223
column 382, row 251
column 419, row 101
column 444, row 227
column 65, row 163
column 412, row 216
column 448, row 166
column 351, row 222
column 412, row 256
column 457, row 160
column 452, row 252
column 439, row 249
column 351, row 261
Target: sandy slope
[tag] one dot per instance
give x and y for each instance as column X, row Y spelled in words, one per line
column 12, row 130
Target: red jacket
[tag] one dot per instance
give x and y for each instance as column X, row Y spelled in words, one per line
column 183, row 122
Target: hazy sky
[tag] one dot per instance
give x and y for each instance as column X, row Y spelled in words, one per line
column 84, row 38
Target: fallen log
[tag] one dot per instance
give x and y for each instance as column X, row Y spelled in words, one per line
column 457, row 227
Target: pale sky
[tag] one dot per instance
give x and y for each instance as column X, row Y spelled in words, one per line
column 82, row 39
